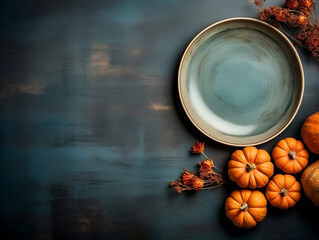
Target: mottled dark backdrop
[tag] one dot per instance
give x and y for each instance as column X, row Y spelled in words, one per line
column 92, row 131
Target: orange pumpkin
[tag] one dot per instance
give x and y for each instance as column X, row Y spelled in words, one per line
column 310, row 132
column 283, row 191
column 290, row 155
column 245, row 207
column 310, row 182
column 250, row 167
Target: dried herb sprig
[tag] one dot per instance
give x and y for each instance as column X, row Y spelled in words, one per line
column 302, row 25
column 206, row 177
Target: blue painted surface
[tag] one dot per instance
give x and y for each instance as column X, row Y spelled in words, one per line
column 91, row 130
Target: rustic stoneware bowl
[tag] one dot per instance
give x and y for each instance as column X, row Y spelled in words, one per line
column 241, row 82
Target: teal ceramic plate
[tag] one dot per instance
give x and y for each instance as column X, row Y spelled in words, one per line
column 241, row 82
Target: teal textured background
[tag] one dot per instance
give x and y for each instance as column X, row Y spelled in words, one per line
column 92, row 131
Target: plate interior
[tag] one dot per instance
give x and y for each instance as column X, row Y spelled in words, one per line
column 241, row 82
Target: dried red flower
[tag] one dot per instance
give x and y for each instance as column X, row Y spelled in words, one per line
column 188, row 178
column 198, row 147
column 303, row 20
column 178, row 189
column 302, row 25
column 198, row 183
column 306, row 3
column 259, row 3
column 292, row 4
column 207, row 164
column 206, row 178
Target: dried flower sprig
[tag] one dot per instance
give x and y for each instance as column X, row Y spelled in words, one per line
column 206, row 177
column 298, row 16
column 199, row 147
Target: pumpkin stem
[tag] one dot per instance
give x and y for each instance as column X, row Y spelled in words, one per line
column 250, row 167
column 244, row 206
column 283, row 192
column 292, row 155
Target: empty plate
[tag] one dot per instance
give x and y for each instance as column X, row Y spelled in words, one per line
column 241, row 82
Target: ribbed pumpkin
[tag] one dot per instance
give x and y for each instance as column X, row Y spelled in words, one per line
column 310, row 132
column 290, row 155
column 310, row 182
column 283, row 191
column 245, row 207
column 250, row 167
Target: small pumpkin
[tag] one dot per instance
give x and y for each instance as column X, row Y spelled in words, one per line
column 245, row 207
column 250, row 167
column 283, row 191
column 310, row 133
column 310, row 182
column 290, row 155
